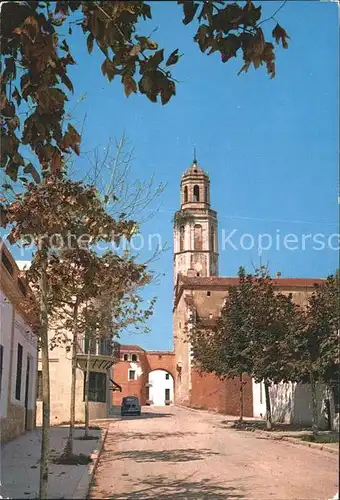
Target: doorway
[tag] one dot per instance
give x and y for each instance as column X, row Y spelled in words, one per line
column 161, row 388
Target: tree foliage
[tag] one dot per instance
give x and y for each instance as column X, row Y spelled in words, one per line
column 36, row 55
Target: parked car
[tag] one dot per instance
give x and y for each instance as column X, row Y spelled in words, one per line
column 130, row 406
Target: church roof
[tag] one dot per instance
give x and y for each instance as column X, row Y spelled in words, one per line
column 195, row 170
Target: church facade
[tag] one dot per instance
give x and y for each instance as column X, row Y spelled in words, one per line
column 200, row 292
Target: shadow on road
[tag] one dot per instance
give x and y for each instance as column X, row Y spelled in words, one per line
column 181, row 455
column 152, row 436
column 163, row 488
column 145, row 415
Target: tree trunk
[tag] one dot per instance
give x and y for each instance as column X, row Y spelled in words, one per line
column 315, row 423
column 268, row 407
column 69, row 445
column 241, row 398
column 87, row 385
column 45, row 437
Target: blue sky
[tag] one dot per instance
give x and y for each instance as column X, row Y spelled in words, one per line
column 269, row 146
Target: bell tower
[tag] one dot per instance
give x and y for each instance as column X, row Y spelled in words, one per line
column 195, row 227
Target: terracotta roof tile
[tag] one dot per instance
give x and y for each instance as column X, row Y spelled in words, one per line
column 131, row 347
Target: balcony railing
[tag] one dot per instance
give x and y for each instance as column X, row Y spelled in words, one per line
column 99, row 347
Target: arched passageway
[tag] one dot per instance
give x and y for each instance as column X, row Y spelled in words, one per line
column 160, row 388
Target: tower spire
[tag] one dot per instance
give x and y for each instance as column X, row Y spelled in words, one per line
column 195, row 159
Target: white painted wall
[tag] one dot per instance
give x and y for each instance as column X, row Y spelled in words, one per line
column 291, row 403
column 6, row 312
column 23, row 335
column 259, row 401
column 158, row 381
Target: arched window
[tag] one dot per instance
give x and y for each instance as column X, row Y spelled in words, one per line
column 196, row 193
column 212, row 239
column 197, row 237
column 181, row 239
column 126, row 357
column 185, row 194
column 134, row 357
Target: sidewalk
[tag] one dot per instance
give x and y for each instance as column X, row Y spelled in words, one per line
column 20, row 465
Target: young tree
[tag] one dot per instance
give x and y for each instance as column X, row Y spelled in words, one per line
column 225, row 350
column 106, row 282
column 35, row 49
column 314, row 344
column 53, row 207
column 113, row 311
column 270, row 319
column 250, row 335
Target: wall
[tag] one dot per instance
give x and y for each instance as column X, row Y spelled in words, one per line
column 147, row 362
column 60, row 383
column 182, row 378
column 14, row 417
column 292, row 403
column 6, row 321
column 158, row 384
column 223, row 396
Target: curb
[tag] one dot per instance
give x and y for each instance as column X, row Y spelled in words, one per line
column 82, row 490
column 293, row 440
column 297, row 441
column 316, row 446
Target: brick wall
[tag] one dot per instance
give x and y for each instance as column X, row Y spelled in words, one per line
column 212, row 393
column 147, row 361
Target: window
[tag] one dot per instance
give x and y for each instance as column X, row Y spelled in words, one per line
column 197, row 237
column 134, row 357
column 126, row 357
column 19, row 373
column 97, row 387
column 212, row 239
column 208, row 294
column 196, row 193
column 186, row 194
column 7, row 263
column 132, row 375
column 167, row 376
column 1, row 364
column 206, row 194
column 39, row 386
column 167, row 394
column 181, row 239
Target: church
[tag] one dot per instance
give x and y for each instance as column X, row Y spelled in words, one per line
column 199, row 291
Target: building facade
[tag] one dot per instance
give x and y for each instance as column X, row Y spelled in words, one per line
column 149, row 375
column 18, row 351
column 200, row 293
column 102, row 356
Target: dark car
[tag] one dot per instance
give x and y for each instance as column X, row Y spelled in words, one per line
column 130, row 406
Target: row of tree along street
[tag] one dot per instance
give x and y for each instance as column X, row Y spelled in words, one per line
column 263, row 333
column 42, row 199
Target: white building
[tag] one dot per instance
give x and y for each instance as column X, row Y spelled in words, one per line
column 18, row 352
